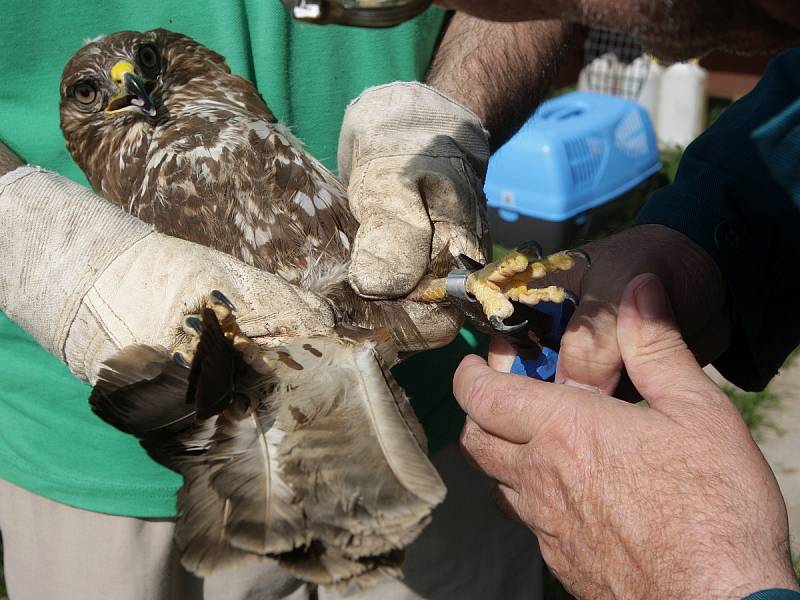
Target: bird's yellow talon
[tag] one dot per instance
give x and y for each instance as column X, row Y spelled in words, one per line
column 500, row 282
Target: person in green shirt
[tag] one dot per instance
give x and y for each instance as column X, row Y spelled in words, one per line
column 84, row 512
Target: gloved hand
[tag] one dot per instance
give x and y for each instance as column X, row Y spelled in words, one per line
column 414, row 162
column 86, row 279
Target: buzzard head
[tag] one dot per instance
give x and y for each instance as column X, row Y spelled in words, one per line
column 118, row 90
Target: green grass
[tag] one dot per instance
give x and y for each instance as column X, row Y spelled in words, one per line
column 756, row 407
column 753, row 406
column 670, row 158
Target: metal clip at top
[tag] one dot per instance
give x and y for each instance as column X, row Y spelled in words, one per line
column 356, row 13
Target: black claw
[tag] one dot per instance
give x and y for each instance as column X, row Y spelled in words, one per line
column 470, row 263
column 180, row 360
column 500, row 327
column 220, row 298
column 195, row 324
column 526, row 248
column 583, row 254
column 571, row 297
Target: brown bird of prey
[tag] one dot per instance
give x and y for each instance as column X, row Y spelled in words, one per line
column 307, row 452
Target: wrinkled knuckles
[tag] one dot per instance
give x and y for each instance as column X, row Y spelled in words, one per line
column 482, row 393
column 468, row 438
column 658, row 346
column 475, row 445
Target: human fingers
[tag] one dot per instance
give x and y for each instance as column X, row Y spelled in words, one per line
column 512, row 407
column 589, row 353
column 710, row 342
column 657, row 359
column 501, row 354
column 494, row 456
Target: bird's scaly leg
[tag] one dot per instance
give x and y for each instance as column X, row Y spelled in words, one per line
column 509, row 279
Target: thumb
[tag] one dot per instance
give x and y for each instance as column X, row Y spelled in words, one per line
column 658, row 361
column 393, row 243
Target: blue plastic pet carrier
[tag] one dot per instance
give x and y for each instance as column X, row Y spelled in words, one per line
column 578, row 165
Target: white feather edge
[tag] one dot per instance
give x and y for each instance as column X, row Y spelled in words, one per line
column 92, row 40
column 405, row 457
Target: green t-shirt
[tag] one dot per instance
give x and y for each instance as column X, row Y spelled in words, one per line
column 50, row 442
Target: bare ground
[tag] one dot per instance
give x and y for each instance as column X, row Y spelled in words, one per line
column 779, row 439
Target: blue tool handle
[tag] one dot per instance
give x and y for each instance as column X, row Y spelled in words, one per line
column 560, row 313
column 543, row 367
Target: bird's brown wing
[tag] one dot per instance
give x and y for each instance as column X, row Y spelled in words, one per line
column 352, row 450
column 314, row 458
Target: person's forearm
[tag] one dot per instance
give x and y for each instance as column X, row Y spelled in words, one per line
column 500, row 71
column 8, row 160
column 726, row 200
column 672, row 29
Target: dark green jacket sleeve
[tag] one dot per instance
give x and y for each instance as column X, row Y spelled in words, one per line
column 774, row 594
column 726, row 199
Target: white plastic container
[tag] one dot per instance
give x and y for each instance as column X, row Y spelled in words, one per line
column 650, row 91
column 602, row 75
column 683, row 104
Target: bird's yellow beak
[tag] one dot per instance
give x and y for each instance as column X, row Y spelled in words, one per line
column 119, row 70
column 133, row 94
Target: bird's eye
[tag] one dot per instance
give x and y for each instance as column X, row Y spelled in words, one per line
column 147, row 57
column 84, row 92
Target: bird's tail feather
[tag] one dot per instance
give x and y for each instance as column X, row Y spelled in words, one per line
column 314, row 458
column 141, row 391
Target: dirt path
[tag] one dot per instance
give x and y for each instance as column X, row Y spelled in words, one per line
column 779, row 440
column 780, row 443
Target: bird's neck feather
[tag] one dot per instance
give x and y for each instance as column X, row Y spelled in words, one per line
column 115, row 160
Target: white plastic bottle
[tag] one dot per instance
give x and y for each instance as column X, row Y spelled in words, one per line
column 650, row 90
column 682, row 105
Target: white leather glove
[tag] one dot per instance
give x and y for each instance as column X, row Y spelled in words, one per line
column 414, row 162
column 86, row 278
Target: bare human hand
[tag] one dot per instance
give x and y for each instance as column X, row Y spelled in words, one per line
column 590, row 352
column 8, row 160
column 673, row 500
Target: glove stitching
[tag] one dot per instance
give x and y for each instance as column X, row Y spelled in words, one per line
column 419, row 85
column 104, row 321
column 18, row 174
column 60, row 337
column 82, row 300
column 395, row 217
column 95, row 343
